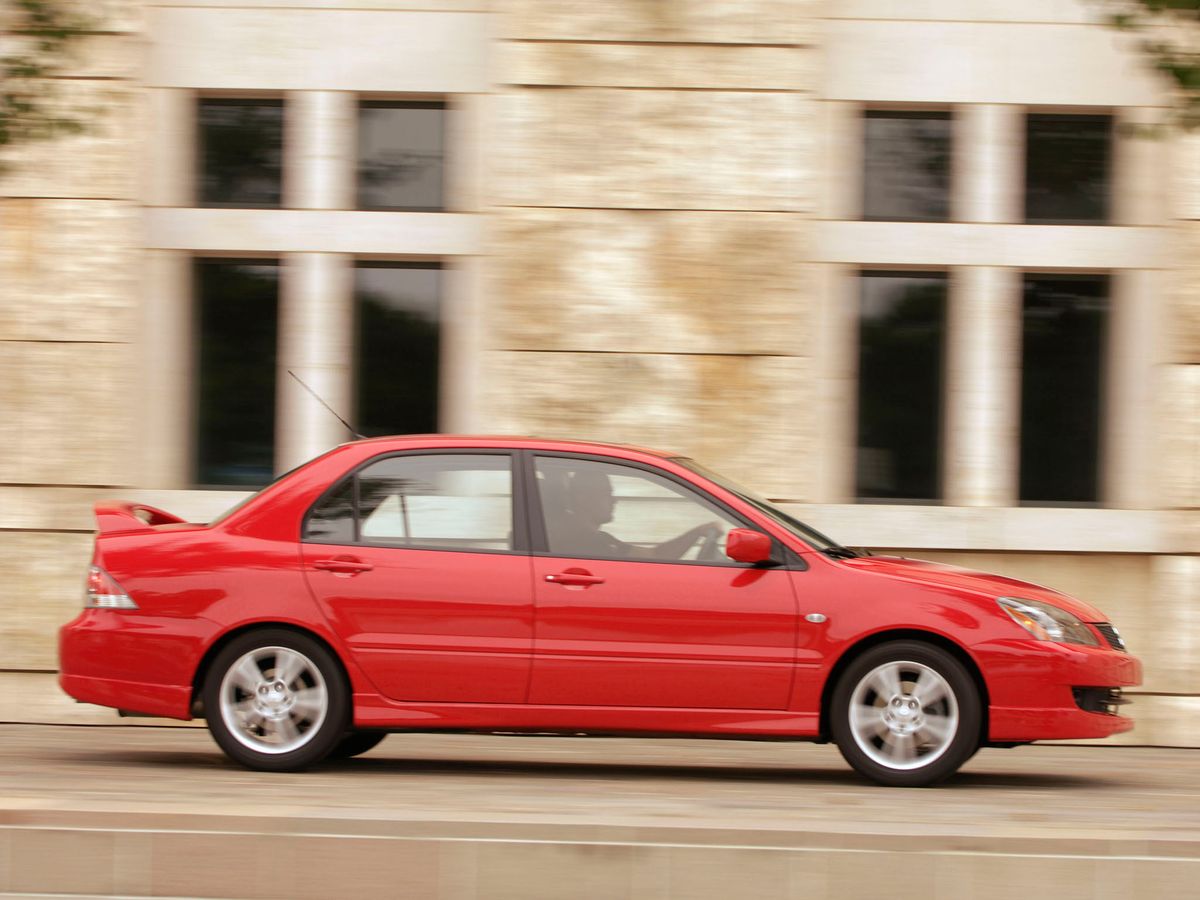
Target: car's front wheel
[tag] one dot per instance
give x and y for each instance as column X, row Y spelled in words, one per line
column 276, row 700
column 906, row 714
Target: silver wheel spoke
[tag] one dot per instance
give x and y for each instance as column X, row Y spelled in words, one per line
column 285, row 729
column 288, row 666
column 902, row 746
column 309, row 703
column 886, row 681
column 867, row 720
column 937, row 730
column 247, row 675
column 929, row 689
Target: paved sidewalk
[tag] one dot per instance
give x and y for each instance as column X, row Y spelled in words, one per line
column 1063, row 821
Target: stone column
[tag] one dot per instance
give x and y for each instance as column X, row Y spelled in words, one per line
column 982, row 393
column 316, row 319
column 167, row 364
column 319, row 151
column 988, row 163
column 316, row 342
column 835, row 352
column 983, row 386
column 1128, row 458
column 169, row 173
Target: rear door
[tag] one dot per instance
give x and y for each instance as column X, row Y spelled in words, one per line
column 420, row 566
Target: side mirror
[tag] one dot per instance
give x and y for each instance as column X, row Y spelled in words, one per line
column 746, row 546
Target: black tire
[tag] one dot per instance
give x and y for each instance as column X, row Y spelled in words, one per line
column 876, row 744
column 319, row 676
column 356, row 743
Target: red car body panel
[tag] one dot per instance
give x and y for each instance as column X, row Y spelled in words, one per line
column 434, row 639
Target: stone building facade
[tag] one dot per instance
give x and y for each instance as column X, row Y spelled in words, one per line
column 654, row 226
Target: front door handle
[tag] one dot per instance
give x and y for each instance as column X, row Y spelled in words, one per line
column 343, row 566
column 575, row 578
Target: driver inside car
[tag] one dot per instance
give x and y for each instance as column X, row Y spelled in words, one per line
column 590, row 504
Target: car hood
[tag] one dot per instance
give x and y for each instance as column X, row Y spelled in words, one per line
column 920, row 571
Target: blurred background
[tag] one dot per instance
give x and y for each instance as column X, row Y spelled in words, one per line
column 915, row 269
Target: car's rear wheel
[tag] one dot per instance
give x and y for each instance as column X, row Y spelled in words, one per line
column 906, row 714
column 276, row 700
column 356, row 743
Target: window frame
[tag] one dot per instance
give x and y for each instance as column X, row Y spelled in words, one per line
column 784, row 557
column 519, row 519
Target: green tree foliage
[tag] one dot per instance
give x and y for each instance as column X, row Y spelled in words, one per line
column 35, row 45
column 1170, row 37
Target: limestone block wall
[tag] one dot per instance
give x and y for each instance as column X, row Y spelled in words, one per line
column 649, row 191
column 69, row 251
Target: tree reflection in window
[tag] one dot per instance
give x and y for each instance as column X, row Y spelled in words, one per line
column 241, row 152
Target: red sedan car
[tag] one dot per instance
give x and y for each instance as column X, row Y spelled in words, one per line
column 484, row 584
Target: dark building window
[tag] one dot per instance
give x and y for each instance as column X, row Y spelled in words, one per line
column 902, row 323
column 241, row 152
column 398, row 311
column 1062, row 352
column 237, row 313
column 1068, row 161
column 401, row 155
column 906, row 165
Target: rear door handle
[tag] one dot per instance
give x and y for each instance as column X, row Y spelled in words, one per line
column 580, row 578
column 343, row 566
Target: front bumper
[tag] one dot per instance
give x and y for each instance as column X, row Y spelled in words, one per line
column 1032, row 686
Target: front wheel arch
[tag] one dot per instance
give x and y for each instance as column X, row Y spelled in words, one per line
column 201, row 673
column 904, row 634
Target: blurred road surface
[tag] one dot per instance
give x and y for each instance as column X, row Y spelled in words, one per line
column 1073, row 805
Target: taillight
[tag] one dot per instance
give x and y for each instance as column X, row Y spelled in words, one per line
column 103, row 592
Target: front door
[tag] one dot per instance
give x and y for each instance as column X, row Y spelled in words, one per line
column 415, row 562
column 637, row 604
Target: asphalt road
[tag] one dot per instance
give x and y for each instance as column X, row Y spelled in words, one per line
column 1052, row 791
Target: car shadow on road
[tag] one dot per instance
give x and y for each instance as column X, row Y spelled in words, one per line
column 373, row 766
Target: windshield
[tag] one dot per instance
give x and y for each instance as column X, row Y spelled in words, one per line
column 795, row 526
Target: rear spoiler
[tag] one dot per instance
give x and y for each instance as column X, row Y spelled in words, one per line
column 122, row 517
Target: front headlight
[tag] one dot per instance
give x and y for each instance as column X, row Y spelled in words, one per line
column 1047, row 622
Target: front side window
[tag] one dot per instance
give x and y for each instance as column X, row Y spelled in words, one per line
column 442, row 501
column 237, row 314
column 606, row 511
column 902, row 323
column 1068, row 159
column 401, row 155
column 906, row 165
column 240, row 152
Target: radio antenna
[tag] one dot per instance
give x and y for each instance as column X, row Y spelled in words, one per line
column 317, row 397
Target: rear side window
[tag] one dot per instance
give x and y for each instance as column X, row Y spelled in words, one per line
column 438, row 501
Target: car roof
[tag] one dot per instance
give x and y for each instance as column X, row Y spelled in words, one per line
column 519, row 442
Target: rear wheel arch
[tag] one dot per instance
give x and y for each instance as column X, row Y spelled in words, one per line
column 904, row 634
column 201, row 673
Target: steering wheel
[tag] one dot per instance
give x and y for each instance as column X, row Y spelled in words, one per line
column 710, row 544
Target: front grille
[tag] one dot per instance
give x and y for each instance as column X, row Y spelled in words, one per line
column 1110, row 634
column 1098, row 699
